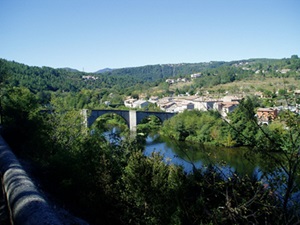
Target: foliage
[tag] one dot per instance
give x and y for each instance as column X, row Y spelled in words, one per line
column 196, row 126
column 282, row 139
column 115, row 183
column 278, row 143
column 148, row 125
column 150, row 198
column 243, row 127
column 19, row 105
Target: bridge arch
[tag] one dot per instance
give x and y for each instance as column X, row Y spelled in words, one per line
column 131, row 117
column 117, row 120
column 146, row 119
column 92, row 115
column 162, row 116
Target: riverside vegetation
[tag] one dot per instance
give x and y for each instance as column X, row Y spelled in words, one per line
column 114, row 183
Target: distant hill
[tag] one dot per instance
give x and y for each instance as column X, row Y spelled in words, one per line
column 104, row 70
column 70, row 69
column 154, row 73
column 40, row 79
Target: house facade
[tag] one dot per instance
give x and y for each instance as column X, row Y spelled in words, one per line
column 225, row 107
column 266, row 115
column 134, row 103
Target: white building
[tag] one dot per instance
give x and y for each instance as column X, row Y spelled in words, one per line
column 153, row 99
column 195, row 75
column 140, row 104
column 225, row 107
column 168, row 107
column 89, row 78
column 170, row 81
column 129, row 102
column 184, row 106
column 204, row 105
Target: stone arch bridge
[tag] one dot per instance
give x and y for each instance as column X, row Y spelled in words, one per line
column 132, row 117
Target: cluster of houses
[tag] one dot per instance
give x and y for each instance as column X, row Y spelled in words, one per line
column 89, row 78
column 178, row 80
column 224, row 105
column 247, row 66
column 180, row 104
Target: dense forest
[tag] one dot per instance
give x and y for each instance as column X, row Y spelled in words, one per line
column 114, row 182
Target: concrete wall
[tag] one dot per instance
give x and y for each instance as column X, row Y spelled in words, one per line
column 27, row 205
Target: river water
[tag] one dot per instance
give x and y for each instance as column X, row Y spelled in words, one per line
column 238, row 160
column 188, row 155
column 228, row 160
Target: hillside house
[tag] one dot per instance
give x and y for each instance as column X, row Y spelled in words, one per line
column 184, row 106
column 89, row 78
column 153, row 99
column 195, row 75
column 284, row 71
column 266, row 115
column 107, row 103
column 297, row 93
column 170, row 81
column 225, row 107
column 168, row 107
column 204, row 105
column 140, row 104
column 164, row 101
column 129, row 102
column 181, row 80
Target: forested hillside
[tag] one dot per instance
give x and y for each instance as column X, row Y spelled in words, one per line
column 163, row 71
column 46, row 78
column 92, row 88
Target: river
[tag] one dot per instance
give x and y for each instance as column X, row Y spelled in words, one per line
column 238, row 160
column 228, row 160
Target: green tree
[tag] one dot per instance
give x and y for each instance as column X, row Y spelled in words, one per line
column 294, row 57
column 19, row 106
column 242, row 125
column 195, row 126
column 282, row 92
column 280, row 144
column 3, row 78
column 150, row 199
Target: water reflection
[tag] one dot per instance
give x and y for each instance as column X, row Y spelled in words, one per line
column 229, row 160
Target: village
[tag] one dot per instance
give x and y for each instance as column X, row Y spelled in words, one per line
column 224, row 105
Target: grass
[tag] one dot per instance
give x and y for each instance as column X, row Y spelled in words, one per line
column 255, row 85
column 239, row 88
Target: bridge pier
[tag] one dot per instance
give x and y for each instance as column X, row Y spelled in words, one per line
column 132, row 121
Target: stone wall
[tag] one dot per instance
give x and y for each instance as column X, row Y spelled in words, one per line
column 26, row 204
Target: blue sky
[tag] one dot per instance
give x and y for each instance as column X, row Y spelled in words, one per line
column 93, row 34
